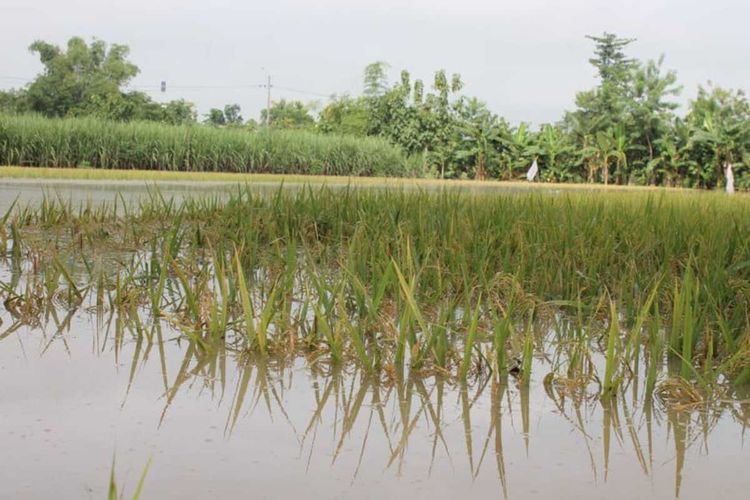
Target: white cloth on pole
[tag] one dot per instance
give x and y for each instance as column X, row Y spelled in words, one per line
column 729, row 175
column 531, row 174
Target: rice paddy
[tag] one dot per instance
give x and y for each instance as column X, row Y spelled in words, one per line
column 624, row 311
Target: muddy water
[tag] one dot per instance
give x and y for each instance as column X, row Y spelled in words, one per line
column 225, row 427
column 33, row 191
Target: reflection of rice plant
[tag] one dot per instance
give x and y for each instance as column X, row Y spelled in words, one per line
column 113, row 495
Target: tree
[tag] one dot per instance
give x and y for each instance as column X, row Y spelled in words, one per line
column 480, row 134
column 179, row 112
column 345, row 115
column 602, row 108
column 719, row 122
column 215, row 117
column 520, row 150
column 650, row 114
column 289, row 115
column 88, row 80
column 13, row 101
column 671, row 162
column 376, row 79
column 555, row 150
column 421, row 123
column 232, row 114
column 78, row 79
column 229, row 116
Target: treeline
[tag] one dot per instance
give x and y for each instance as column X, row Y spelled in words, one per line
column 623, row 131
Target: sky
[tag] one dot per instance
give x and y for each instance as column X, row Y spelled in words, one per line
column 525, row 58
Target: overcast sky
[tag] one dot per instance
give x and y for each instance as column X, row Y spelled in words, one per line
column 525, row 58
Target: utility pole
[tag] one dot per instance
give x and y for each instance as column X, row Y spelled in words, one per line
column 268, row 102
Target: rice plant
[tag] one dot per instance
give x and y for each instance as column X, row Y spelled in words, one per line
column 440, row 283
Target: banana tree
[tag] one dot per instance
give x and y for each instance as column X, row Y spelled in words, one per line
column 600, row 153
column 480, row 134
column 728, row 143
column 556, row 155
column 619, row 142
column 720, row 124
column 519, row 149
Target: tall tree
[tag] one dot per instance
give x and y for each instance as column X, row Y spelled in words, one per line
column 650, row 113
column 76, row 79
column 376, row 79
column 232, row 114
column 604, row 107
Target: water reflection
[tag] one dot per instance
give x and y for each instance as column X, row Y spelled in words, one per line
column 409, row 414
column 343, row 417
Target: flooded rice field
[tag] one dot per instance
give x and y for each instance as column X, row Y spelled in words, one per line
column 246, row 350
column 97, row 192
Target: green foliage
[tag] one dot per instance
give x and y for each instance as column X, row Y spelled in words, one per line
column 424, row 124
column 70, row 142
column 13, row 101
column 88, row 80
column 376, row 79
column 75, row 79
column 345, row 115
column 229, row 116
column 289, row 115
column 443, row 282
column 139, row 106
column 719, row 124
column 622, row 131
column 481, row 135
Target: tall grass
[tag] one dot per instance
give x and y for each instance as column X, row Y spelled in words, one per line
column 95, row 143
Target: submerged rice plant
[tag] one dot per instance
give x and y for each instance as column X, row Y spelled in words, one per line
column 440, row 283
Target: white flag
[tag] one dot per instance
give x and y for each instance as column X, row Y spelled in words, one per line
column 531, row 174
column 729, row 175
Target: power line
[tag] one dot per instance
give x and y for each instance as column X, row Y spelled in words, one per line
column 196, row 87
column 199, row 86
column 308, row 92
column 17, row 78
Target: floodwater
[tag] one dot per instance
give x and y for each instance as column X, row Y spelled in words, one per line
column 33, row 191
column 226, row 427
column 76, row 391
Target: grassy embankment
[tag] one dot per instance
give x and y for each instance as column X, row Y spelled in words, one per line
column 156, row 176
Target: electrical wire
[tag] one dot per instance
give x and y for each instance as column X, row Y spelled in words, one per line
column 199, row 87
